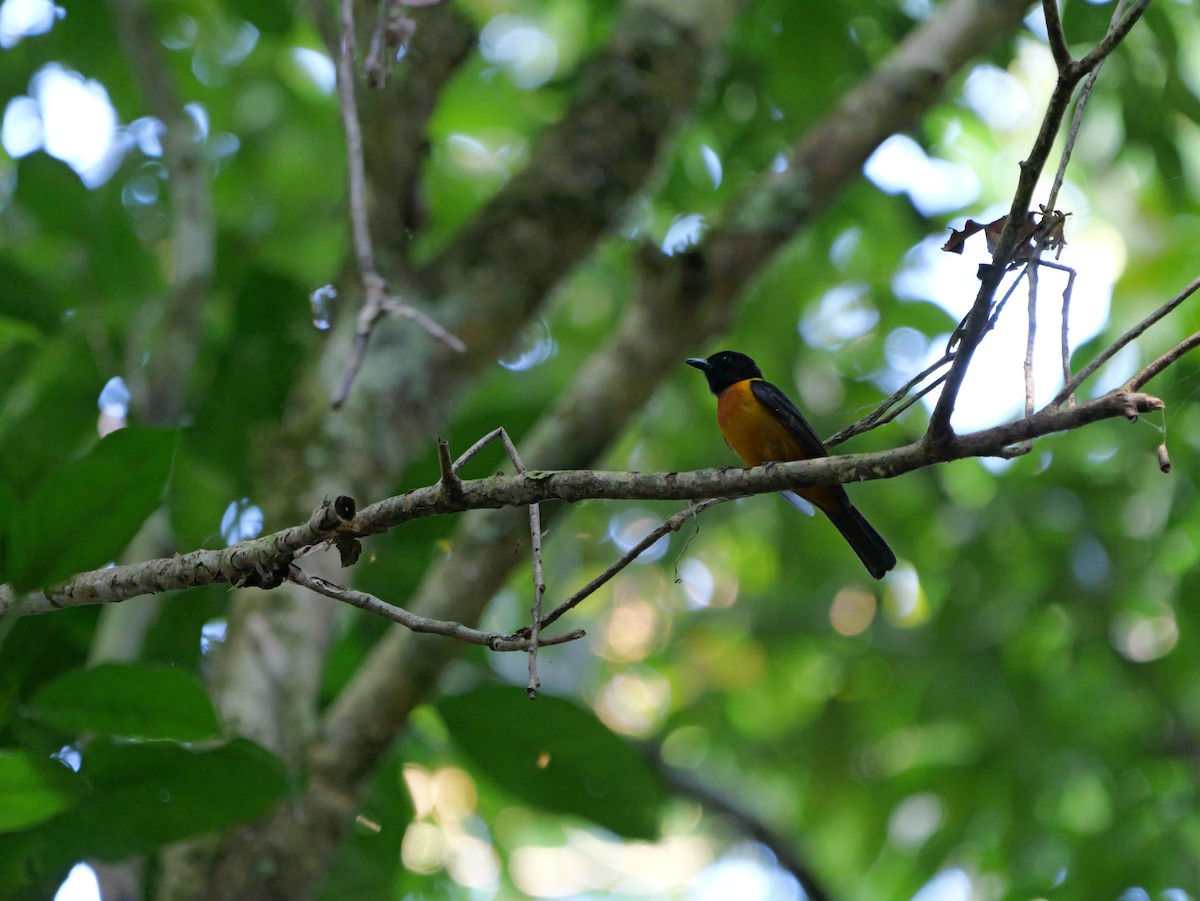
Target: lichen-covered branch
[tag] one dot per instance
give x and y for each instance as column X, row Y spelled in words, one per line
column 263, row 562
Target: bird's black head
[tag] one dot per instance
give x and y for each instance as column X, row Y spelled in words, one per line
column 725, row 368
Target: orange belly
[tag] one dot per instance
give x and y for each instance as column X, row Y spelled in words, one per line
column 757, row 436
column 752, row 430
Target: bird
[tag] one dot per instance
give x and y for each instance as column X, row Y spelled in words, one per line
column 762, row 425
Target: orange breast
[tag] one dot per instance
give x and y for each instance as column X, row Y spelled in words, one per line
column 752, row 430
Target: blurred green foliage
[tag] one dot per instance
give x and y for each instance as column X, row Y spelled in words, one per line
column 1019, row 702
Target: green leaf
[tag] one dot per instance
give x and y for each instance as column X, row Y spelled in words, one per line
column 147, row 795
column 32, row 789
column 82, row 517
column 555, row 754
column 47, row 407
column 14, row 332
column 270, row 16
column 131, row 700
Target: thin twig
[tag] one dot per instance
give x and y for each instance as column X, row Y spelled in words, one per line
column 450, row 480
column 1064, row 159
column 401, row 310
column 875, row 418
column 1064, row 343
column 483, row 442
column 376, row 299
column 535, row 544
column 1031, row 333
column 940, row 430
column 360, row 599
column 360, row 228
column 912, row 400
column 671, row 525
column 539, row 589
column 1116, row 33
column 1150, row 371
column 1012, row 289
column 1054, row 30
column 1109, row 352
column 1063, row 58
column 374, row 287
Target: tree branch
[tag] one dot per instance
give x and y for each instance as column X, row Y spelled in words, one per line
column 671, row 525
column 1183, row 347
column 395, row 122
column 975, row 324
column 376, row 301
column 1054, row 30
column 493, row 640
column 264, row 562
column 1131, row 335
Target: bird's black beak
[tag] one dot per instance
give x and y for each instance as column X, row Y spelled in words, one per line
column 699, row 362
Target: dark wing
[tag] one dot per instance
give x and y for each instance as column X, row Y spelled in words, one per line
column 791, row 418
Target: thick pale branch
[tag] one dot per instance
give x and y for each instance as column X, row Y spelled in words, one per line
column 264, row 561
column 261, row 561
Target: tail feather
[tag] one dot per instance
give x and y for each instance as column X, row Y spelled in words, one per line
column 872, row 550
column 799, row 503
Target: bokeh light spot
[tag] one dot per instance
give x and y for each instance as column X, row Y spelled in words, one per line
column 852, row 611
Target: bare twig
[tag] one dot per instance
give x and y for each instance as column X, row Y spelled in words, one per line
column 1031, row 334
column 912, row 400
column 360, row 599
column 1119, row 20
column 376, row 299
column 483, row 442
column 535, row 542
column 1070, row 74
column 396, row 307
column 1062, row 58
column 1116, row 33
column 995, row 316
column 360, row 228
column 1109, row 352
column 1054, row 29
column 450, row 480
column 876, row 417
column 671, row 525
column 1064, row 343
column 539, row 589
column 1185, row 346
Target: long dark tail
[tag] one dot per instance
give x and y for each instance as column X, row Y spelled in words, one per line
column 872, row 550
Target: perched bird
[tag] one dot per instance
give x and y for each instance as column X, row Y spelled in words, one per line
column 762, row 426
